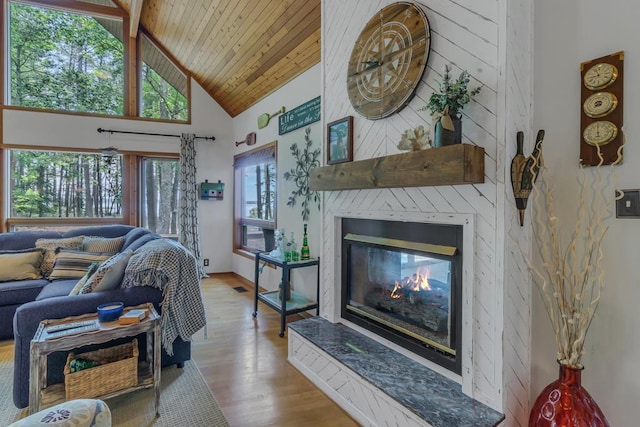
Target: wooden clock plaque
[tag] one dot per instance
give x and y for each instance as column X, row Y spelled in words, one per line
column 601, row 109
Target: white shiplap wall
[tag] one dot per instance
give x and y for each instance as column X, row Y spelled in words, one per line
column 470, row 35
column 517, row 57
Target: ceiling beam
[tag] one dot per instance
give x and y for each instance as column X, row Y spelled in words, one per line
column 135, row 12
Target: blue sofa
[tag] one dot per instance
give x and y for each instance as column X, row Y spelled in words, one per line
column 24, row 304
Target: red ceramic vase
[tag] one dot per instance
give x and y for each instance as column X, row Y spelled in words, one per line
column 565, row 403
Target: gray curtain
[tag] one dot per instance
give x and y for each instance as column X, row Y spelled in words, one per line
column 188, row 217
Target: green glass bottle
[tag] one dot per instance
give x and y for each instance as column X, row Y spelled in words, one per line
column 304, row 250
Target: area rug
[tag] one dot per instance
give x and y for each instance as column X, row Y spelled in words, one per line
column 185, row 399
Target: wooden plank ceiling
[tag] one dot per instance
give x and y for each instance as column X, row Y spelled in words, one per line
column 239, row 51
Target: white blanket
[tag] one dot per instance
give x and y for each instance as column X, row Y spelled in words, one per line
column 170, row 267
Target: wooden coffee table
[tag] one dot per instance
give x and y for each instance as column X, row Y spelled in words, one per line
column 42, row 346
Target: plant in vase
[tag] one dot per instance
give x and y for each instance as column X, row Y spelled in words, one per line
column 446, row 105
column 570, row 279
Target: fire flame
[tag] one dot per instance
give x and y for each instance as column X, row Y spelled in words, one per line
column 418, row 282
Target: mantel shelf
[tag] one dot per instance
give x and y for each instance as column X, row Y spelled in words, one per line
column 450, row 165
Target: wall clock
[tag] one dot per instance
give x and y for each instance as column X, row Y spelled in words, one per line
column 600, row 76
column 388, row 60
column 601, row 110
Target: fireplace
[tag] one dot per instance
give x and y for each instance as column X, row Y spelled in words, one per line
column 403, row 281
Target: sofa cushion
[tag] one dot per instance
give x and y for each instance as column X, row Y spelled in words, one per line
column 57, row 288
column 102, row 244
column 20, row 265
column 113, row 230
column 24, row 239
column 109, row 274
column 90, row 272
column 137, row 235
column 134, row 246
column 19, row 251
column 21, row 291
column 50, row 246
column 72, row 264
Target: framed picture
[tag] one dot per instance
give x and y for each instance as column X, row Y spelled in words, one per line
column 340, row 141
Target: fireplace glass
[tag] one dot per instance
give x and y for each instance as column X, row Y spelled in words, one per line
column 405, row 291
column 405, row 288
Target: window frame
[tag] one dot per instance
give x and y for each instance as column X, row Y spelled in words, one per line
column 131, row 175
column 138, row 73
column 141, row 208
column 132, row 58
column 238, row 221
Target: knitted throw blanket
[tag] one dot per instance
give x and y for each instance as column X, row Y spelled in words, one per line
column 168, row 266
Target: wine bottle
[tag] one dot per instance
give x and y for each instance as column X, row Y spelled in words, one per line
column 304, row 250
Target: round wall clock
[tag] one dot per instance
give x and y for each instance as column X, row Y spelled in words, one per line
column 600, row 133
column 388, row 60
column 600, row 104
column 600, row 76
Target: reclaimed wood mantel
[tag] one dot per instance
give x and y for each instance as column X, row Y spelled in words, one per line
column 450, row 165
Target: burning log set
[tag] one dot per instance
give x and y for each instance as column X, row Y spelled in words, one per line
column 417, row 300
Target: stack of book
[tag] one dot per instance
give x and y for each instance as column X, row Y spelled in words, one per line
column 132, row 316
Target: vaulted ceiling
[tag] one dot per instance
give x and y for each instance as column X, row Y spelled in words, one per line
column 239, row 51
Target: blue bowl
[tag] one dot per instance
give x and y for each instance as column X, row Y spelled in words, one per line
column 110, row 311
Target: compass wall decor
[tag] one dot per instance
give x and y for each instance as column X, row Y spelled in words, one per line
column 388, row 60
column 601, row 109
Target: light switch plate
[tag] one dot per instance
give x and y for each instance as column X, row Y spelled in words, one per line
column 629, row 205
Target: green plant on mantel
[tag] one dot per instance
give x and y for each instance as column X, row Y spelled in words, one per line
column 452, row 96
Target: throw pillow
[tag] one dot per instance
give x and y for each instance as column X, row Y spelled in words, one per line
column 72, row 264
column 50, row 246
column 109, row 275
column 102, row 244
column 90, row 272
column 20, row 265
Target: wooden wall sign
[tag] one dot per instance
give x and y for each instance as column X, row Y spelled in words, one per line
column 302, row 115
column 601, row 109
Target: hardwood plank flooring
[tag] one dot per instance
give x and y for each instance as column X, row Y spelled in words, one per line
column 244, row 361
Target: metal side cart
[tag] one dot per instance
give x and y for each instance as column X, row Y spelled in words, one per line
column 296, row 303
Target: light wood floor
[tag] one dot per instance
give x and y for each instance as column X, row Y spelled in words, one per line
column 244, row 361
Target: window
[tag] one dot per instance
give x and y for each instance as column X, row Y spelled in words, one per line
column 66, row 61
column 159, row 195
column 255, row 198
column 76, row 56
column 164, row 86
column 56, row 184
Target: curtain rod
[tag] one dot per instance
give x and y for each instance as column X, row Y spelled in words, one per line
column 100, row 130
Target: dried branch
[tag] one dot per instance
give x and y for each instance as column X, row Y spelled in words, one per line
column 570, row 278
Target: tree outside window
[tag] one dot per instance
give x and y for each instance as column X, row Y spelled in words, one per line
column 65, row 61
column 64, row 185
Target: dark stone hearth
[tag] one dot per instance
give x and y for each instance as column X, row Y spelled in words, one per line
column 433, row 397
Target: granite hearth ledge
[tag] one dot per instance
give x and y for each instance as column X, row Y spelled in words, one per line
column 450, row 165
column 434, row 398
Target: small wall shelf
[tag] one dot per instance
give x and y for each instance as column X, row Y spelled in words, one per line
column 450, row 165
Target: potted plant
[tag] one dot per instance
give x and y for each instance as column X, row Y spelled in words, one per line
column 446, row 105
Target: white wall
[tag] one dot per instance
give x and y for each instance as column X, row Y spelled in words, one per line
column 207, row 118
column 566, row 34
column 300, row 90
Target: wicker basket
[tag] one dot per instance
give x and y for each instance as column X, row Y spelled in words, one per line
column 118, row 370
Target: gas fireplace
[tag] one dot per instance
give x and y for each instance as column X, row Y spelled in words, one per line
column 403, row 281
